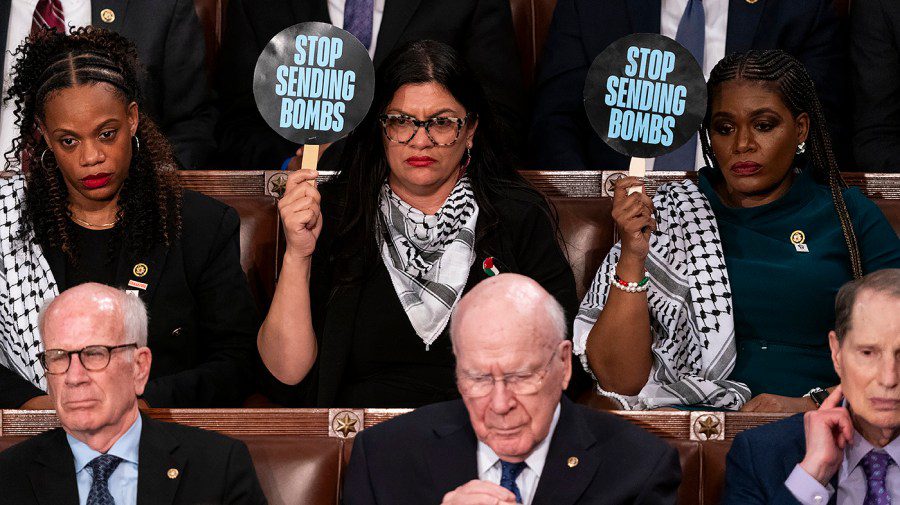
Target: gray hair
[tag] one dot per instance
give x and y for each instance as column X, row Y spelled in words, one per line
column 553, row 312
column 134, row 316
column 883, row 281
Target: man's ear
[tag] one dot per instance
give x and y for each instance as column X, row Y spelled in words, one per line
column 141, row 360
column 566, row 349
column 836, row 357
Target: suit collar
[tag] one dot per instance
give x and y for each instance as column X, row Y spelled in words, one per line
column 52, row 473
column 397, row 14
column 456, row 440
column 118, row 7
column 159, row 455
column 743, row 21
column 129, row 267
column 564, row 479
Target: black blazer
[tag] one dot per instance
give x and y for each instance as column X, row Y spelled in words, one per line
column 212, row 468
column 481, row 30
column 875, row 51
column 170, row 45
column 432, row 451
column 203, row 320
column 761, row 459
column 562, row 138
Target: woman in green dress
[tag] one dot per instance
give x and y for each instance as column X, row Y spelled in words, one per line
column 721, row 293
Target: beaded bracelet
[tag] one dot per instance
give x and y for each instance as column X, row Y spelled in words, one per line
column 631, row 287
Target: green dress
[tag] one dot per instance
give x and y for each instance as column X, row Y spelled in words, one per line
column 783, row 299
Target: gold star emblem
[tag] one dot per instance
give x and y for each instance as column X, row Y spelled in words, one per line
column 709, row 427
column 172, row 473
column 346, row 425
column 278, row 185
column 107, row 15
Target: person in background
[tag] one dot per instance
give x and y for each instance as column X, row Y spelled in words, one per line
column 875, row 52
column 425, row 206
column 561, row 137
column 513, row 437
column 480, row 30
column 719, row 293
column 846, row 452
column 169, row 42
column 101, row 203
column 106, row 452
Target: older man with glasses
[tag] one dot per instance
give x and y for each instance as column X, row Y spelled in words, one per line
column 513, row 438
column 97, row 364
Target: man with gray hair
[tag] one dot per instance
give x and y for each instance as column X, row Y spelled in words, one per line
column 97, row 364
column 844, row 452
column 514, row 437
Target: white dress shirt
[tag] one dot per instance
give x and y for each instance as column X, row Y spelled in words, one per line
column 716, row 15
column 489, row 464
column 336, row 13
column 77, row 13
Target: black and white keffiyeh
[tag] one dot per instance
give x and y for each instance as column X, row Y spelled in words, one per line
column 691, row 318
column 25, row 282
column 429, row 256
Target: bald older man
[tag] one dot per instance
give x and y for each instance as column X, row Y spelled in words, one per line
column 513, row 438
column 97, row 363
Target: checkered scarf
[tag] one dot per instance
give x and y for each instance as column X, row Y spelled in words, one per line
column 691, row 319
column 25, row 282
column 429, row 256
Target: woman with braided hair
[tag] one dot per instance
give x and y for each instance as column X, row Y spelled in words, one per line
column 721, row 293
column 96, row 199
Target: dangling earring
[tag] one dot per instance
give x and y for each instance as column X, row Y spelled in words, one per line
column 137, row 148
column 801, row 148
column 465, row 165
column 42, row 158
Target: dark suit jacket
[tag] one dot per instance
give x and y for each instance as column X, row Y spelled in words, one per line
column 432, row 451
column 875, row 51
column 203, row 320
column 212, row 468
column 761, row 459
column 170, row 45
column 562, row 138
column 481, row 30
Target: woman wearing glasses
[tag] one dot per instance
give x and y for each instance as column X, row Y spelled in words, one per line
column 425, row 205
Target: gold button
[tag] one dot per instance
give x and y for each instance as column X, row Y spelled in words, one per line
column 107, row 15
column 172, row 473
column 573, row 462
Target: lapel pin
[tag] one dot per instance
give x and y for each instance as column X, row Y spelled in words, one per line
column 573, row 462
column 751, row 2
column 135, row 284
column 107, row 15
column 172, row 473
column 798, row 238
column 489, row 268
column 140, row 270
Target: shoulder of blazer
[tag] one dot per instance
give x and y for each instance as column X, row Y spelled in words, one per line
column 13, row 460
column 193, row 439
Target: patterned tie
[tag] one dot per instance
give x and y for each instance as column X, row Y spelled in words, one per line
column 508, row 478
column 101, row 468
column 691, row 34
column 358, row 19
column 875, row 465
column 48, row 14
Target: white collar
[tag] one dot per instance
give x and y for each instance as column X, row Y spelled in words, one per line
column 487, row 458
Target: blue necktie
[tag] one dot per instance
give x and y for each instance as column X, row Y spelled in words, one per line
column 691, row 34
column 875, row 465
column 508, row 478
column 101, row 468
column 358, row 19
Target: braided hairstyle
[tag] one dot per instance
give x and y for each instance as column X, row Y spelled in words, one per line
column 150, row 198
column 789, row 79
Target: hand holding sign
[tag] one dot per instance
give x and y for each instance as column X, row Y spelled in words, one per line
column 645, row 96
column 313, row 85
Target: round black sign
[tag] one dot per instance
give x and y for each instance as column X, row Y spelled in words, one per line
column 313, row 83
column 645, row 95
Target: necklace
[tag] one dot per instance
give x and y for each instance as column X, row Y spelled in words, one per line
column 92, row 225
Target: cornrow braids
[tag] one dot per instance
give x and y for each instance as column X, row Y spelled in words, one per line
column 150, row 199
column 791, row 81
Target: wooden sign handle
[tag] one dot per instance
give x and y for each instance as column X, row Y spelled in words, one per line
column 310, row 160
column 637, row 168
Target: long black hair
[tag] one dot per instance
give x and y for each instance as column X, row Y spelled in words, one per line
column 150, row 198
column 789, row 79
column 364, row 167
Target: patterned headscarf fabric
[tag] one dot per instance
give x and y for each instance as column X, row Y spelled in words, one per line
column 691, row 320
column 25, row 282
column 428, row 257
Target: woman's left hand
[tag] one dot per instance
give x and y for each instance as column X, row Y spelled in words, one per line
column 775, row 403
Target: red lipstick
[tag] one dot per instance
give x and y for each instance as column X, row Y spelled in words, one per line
column 745, row 168
column 420, row 161
column 96, row 181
